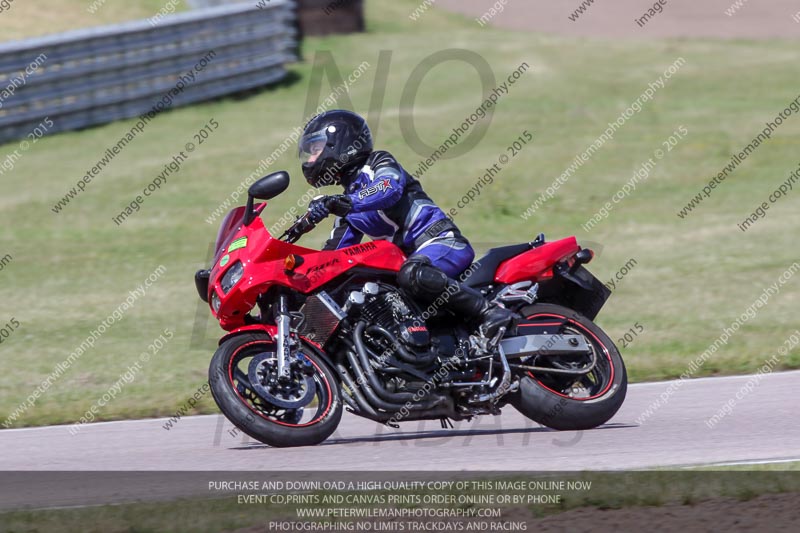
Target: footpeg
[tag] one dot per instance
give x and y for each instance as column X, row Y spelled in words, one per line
column 493, row 342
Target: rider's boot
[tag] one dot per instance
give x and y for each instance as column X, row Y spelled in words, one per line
column 470, row 303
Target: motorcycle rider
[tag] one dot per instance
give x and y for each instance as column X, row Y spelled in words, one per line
column 383, row 201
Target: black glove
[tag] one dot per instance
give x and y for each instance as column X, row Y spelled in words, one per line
column 339, row 204
column 318, row 209
column 322, row 206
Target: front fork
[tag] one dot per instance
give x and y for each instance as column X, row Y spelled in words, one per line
column 284, row 340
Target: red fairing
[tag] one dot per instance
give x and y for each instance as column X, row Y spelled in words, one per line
column 263, row 257
column 536, row 264
column 269, row 329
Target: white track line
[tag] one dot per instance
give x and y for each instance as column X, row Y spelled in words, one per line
column 750, row 462
column 106, row 423
column 713, row 378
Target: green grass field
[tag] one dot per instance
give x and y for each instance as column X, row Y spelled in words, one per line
column 33, row 19
column 693, row 277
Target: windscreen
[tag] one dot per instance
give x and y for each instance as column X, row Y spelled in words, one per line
column 230, row 224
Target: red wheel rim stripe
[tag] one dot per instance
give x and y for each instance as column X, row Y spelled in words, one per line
column 259, row 413
column 605, row 351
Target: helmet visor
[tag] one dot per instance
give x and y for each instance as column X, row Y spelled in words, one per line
column 311, row 145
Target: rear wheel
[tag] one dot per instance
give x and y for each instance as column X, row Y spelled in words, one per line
column 567, row 401
column 303, row 410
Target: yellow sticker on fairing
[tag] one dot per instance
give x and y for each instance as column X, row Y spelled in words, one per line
column 238, row 243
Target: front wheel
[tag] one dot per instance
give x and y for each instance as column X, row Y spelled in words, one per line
column 570, row 401
column 301, row 410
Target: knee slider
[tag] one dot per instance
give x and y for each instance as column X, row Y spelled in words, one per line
column 419, row 277
column 431, row 279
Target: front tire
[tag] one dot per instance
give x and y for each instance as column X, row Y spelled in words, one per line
column 248, row 408
column 565, row 402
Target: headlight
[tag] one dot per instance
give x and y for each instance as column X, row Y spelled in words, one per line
column 232, row 276
column 215, row 303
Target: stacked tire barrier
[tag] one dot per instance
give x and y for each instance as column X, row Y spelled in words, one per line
column 93, row 76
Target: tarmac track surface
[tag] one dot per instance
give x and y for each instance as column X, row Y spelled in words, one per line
column 760, row 428
column 616, row 19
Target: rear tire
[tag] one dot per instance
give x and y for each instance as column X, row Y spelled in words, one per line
column 546, row 399
column 251, row 413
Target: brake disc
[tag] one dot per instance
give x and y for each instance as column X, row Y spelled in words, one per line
column 292, row 393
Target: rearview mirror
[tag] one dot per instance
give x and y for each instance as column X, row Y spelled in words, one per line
column 269, row 186
column 266, row 188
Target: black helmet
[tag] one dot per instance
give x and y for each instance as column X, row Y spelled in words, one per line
column 341, row 142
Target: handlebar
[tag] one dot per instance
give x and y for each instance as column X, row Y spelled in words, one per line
column 301, row 226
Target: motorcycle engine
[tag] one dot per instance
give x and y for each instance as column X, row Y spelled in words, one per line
column 385, row 306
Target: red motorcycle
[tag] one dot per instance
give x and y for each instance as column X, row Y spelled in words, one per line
column 311, row 332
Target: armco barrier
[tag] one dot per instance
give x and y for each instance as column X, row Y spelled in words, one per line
column 93, row 76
